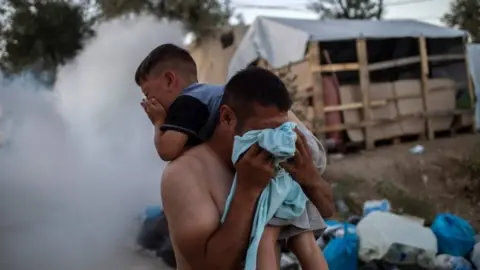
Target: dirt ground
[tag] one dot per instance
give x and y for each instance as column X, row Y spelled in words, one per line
column 441, row 179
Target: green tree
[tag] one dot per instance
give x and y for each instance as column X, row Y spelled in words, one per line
column 465, row 14
column 202, row 18
column 348, row 9
column 39, row 36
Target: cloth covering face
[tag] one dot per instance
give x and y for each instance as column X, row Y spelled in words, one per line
column 283, row 197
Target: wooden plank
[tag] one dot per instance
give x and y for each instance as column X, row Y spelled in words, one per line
column 377, row 122
column 445, row 57
column 471, row 93
column 413, row 60
column 353, row 106
column 308, row 94
column 335, row 67
column 365, row 87
column 394, row 63
column 422, row 43
column 319, row 115
column 470, row 84
column 386, row 64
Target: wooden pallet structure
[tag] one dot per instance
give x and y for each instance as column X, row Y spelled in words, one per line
column 317, row 121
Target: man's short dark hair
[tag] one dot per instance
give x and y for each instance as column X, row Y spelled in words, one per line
column 255, row 85
column 165, row 54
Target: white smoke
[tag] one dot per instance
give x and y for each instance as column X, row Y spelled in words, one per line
column 80, row 165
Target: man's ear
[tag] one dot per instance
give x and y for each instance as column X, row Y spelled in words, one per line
column 227, row 117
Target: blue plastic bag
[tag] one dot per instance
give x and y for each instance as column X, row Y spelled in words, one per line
column 342, row 253
column 152, row 212
column 455, row 236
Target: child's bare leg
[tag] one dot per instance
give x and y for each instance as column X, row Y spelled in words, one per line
column 267, row 258
column 307, row 251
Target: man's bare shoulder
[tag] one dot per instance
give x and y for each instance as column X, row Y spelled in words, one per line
column 188, row 163
column 186, row 170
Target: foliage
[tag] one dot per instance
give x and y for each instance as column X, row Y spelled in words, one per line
column 465, row 14
column 41, row 35
column 202, row 18
column 348, row 9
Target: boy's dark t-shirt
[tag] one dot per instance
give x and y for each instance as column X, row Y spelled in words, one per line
column 195, row 112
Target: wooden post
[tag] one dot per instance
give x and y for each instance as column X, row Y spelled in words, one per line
column 422, row 44
column 471, row 92
column 319, row 114
column 365, row 87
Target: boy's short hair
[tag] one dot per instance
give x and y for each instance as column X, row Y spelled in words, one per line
column 165, row 55
column 255, row 85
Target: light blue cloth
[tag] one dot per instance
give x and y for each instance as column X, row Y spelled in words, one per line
column 283, row 197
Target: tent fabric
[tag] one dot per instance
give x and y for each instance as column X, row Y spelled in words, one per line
column 473, row 52
column 282, row 40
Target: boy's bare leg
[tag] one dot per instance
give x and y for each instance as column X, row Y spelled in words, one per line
column 307, row 251
column 267, row 258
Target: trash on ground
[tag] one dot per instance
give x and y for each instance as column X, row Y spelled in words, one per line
column 288, row 262
column 354, row 219
column 475, row 256
column 378, row 240
column 455, row 235
column 341, row 252
column 395, row 239
column 419, row 220
column 342, row 207
column 378, row 265
column 448, row 262
column 417, row 149
column 376, row 205
column 154, row 236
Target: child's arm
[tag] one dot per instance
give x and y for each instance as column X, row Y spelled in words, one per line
column 169, row 144
column 318, row 152
column 185, row 118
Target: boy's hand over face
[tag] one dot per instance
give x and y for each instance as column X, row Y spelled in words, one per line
column 154, row 110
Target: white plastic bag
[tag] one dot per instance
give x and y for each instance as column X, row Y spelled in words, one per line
column 395, row 239
column 475, row 257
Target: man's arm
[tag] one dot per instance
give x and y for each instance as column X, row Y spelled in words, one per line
column 320, row 193
column 313, row 185
column 185, row 118
column 194, row 221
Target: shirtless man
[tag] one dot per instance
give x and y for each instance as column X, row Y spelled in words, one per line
column 195, row 185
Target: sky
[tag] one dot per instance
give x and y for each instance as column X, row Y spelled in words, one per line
column 425, row 10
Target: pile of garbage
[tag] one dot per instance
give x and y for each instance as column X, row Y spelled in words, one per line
column 153, row 236
column 382, row 240
column 377, row 240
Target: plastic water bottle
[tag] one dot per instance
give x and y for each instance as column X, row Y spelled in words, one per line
column 376, row 205
column 447, row 262
column 475, row 257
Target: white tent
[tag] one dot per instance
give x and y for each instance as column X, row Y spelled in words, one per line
column 473, row 51
column 281, row 41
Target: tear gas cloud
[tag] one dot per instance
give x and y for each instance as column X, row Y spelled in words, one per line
column 78, row 165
